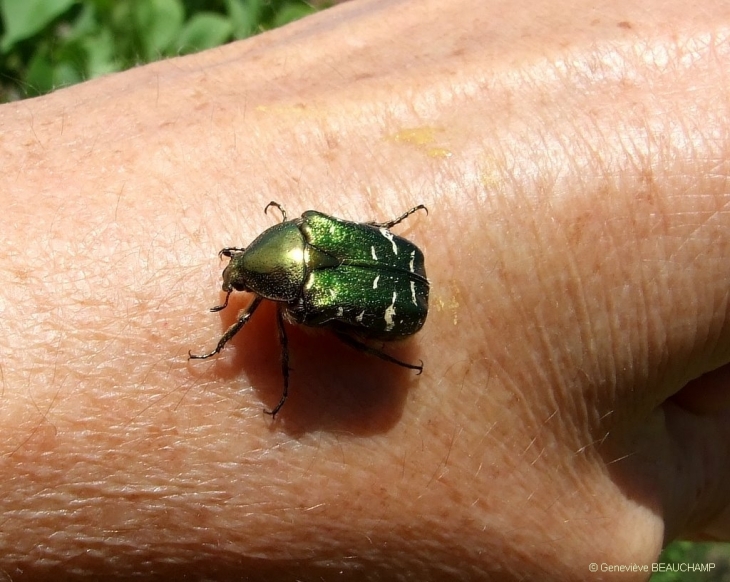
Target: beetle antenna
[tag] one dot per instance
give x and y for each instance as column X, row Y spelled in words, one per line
column 228, row 251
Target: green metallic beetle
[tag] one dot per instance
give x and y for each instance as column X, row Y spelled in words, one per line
column 358, row 280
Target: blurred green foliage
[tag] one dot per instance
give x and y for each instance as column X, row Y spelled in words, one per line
column 682, row 561
column 46, row 44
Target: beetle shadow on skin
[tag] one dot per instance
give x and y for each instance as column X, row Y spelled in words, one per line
column 332, row 386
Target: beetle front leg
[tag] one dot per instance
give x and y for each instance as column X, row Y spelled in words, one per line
column 284, row 341
column 230, row 332
column 358, row 345
column 221, row 307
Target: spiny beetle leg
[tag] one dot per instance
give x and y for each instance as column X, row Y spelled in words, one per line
column 358, row 345
column 284, row 341
column 230, row 332
column 401, row 218
column 279, row 206
column 221, row 307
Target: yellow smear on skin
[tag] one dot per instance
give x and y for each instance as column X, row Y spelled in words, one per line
column 424, row 138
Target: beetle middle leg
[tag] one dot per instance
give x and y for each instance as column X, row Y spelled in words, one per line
column 230, row 332
column 284, row 341
column 363, row 347
column 401, row 218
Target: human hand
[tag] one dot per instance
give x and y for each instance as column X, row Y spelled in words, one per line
column 574, row 163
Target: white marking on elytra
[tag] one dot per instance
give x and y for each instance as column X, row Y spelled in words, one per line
column 375, row 282
column 413, row 293
column 389, row 313
column 340, row 312
column 372, row 253
column 310, row 281
column 413, row 258
column 360, row 316
column 389, row 235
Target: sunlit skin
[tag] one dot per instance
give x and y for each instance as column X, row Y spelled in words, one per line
column 573, row 405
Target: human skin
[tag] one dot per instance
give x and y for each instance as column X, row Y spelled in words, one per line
column 574, row 160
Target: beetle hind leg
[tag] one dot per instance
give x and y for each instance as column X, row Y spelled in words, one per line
column 401, row 218
column 363, row 347
column 284, row 341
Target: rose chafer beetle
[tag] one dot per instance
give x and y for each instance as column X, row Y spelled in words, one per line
column 358, row 280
